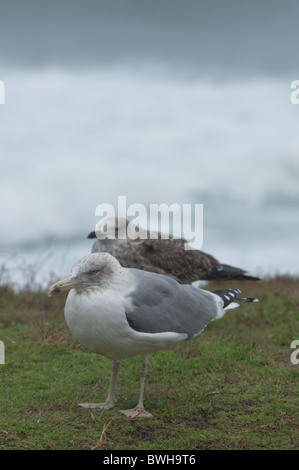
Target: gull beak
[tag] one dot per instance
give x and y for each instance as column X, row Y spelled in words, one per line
column 92, row 235
column 65, row 284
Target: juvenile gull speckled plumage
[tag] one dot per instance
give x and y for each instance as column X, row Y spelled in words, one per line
column 121, row 312
column 162, row 256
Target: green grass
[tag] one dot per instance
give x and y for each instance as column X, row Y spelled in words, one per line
column 233, row 387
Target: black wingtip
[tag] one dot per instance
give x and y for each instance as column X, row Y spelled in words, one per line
column 230, row 273
column 231, row 295
column 92, row 235
column 246, row 277
column 227, row 295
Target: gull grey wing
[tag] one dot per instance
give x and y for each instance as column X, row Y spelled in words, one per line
column 159, row 304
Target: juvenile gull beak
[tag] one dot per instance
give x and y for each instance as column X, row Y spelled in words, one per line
column 92, row 235
column 65, row 284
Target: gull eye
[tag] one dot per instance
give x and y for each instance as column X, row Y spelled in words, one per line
column 93, row 272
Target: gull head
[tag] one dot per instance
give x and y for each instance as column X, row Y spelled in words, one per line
column 90, row 272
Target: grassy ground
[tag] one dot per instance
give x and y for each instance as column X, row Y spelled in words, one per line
column 233, row 387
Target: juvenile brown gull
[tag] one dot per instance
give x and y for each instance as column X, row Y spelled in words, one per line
column 162, row 256
column 122, row 312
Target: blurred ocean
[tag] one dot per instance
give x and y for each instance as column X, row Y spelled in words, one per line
column 81, row 126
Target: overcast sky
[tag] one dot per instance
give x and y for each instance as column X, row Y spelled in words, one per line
column 200, row 36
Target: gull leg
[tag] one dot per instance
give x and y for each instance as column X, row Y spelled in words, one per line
column 139, row 411
column 110, row 402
